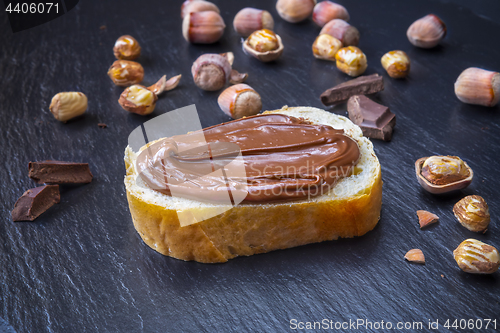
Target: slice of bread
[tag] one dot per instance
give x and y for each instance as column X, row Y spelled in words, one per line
column 351, row 208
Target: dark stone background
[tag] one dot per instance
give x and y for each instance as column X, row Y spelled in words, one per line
column 81, row 267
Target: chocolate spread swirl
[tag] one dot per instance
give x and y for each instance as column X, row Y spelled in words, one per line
column 284, row 158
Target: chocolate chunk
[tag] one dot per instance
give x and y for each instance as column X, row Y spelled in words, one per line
column 363, row 85
column 376, row 121
column 57, row 172
column 34, row 202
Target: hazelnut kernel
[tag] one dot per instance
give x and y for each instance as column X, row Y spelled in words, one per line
column 263, row 40
column 351, row 60
column 326, row 47
column 442, row 170
column 476, row 257
column 138, row 99
column 124, row 73
column 127, row 48
column 473, row 213
column 67, row 105
column 396, row 63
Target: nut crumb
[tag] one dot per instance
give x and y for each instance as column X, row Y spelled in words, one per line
column 442, row 276
column 103, row 27
column 102, row 125
column 425, row 218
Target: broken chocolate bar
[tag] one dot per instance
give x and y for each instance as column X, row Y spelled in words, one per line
column 57, row 172
column 363, row 85
column 376, row 121
column 34, row 202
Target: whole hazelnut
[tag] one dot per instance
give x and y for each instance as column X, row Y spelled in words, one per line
column 191, row 6
column 203, row 27
column 212, row 71
column 426, row 32
column 240, row 101
column 294, row 11
column 249, row 20
column 478, row 86
column 325, row 11
column 127, row 48
column 343, row 31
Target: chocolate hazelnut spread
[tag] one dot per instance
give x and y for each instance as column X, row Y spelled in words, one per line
column 285, row 158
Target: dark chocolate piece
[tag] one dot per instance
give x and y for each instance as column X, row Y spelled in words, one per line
column 363, row 85
column 376, row 121
column 34, row 202
column 57, row 172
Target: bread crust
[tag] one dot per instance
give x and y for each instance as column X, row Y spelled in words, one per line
column 249, row 229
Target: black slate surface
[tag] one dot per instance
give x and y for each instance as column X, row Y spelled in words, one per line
column 81, row 267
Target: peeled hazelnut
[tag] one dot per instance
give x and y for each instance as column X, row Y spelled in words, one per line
column 249, row 20
column 138, row 99
column 426, row 32
column 478, row 86
column 473, row 256
column 264, row 45
column 240, row 101
column 67, row 105
column 294, row 11
column 326, row 11
column 396, row 63
column 127, row 48
column 442, row 174
column 351, row 60
column 125, row 73
column 326, row 47
column 416, row 256
column 343, row 31
column 192, row 6
column 203, row 27
column 473, row 213
column 212, row 71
